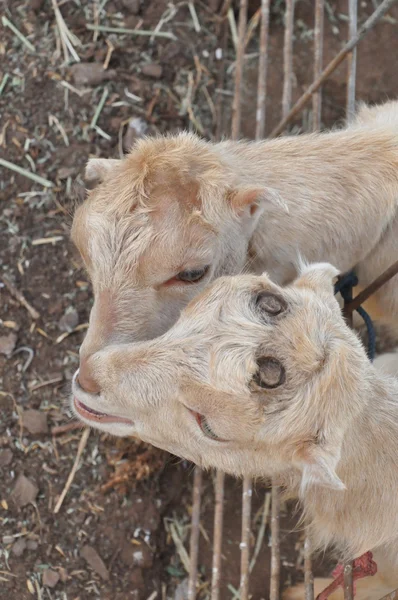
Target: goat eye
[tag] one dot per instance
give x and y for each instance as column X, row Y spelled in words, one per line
column 192, row 276
column 272, row 304
column 270, row 373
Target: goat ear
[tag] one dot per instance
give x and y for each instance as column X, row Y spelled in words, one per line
column 252, row 200
column 319, row 468
column 97, row 170
column 316, row 276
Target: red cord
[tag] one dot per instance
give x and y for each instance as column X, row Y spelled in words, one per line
column 364, row 566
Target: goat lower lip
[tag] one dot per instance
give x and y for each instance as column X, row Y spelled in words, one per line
column 94, row 415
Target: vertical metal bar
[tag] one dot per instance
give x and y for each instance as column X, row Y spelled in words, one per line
column 352, row 59
column 318, row 62
column 288, row 58
column 348, row 582
column 236, row 104
column 308, row 575
column 275, row 545
column 217, row 535
column 195, row 531
column 262, row 71
column 245, row 543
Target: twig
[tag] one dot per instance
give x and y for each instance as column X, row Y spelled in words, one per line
column 217, row 535
column 195, row 531
column 59, row 429
column 236, row 105
column 232, row 26
column 4, row 82
column 82, row 445
column 275, row 544
column 68, row 39
column 352, row 60
column 262, row 71
column 332, row 66
column 194, row 16
column 7, row 23
column 182, row 553
column 99, row 108
column 20, row 298
column 245, row 543
column 45, row 383
column 318, row 60
column 52, row 120
column 25, row 173
column 261, row 531
column 124, row 31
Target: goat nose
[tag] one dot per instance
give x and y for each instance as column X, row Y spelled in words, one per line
column 85, row 378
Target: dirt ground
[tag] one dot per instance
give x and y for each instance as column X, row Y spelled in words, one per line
column 115, row 534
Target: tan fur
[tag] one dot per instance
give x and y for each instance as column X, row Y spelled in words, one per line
column 178, row 202
column 328, row 431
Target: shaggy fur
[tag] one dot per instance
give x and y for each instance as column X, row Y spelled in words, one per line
column 327, row 427
column 179, row 202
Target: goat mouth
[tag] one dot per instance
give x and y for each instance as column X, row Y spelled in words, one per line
column 89, row 414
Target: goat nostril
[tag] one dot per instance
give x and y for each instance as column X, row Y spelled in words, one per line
column 86, row 380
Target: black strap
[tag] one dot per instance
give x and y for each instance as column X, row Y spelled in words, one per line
column 344, row 286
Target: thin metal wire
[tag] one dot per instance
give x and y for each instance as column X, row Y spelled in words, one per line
column 275, row 545
column 240, row 54
column 288, row 57
column 337, row 60
column 217, row 535
column 262, row 71
column 245, row 543
column 195, row 532
column 318, row 61
column 352, row 60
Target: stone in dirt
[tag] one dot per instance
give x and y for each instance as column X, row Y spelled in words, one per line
column 90, row 74
column 132, row 6
column 50, row 578
column 19, row 547
column 25, row 491
column 7, row 343
column 35, row 421
column 94, row 561
column 69, row 320
column 6, row 457
column 152, row 70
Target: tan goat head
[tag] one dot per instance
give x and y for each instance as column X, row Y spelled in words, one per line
column 253, row 379
column 176, row 223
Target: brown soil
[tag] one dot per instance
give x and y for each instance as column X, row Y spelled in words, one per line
column 124, row 496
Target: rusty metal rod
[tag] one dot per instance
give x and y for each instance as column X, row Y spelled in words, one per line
column 245, row 543
column 332, row 66
column 217, row 535
column 348, row 581
column 275, row 545
column 318, row 61
column 308, row 575
column 240, row 54
column 288, row 57
column 352, row 60
column 262, row 71
column 372, row 288
column 195, row 532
